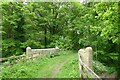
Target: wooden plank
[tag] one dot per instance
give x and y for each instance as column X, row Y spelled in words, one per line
column 89, row 70
column 3, row 59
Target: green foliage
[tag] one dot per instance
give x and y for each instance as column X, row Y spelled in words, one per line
column 100, row 68
column 13, row 47
column 70, row 25
column 109, row 16
column 108, row 59
column 12, row 27
column 67, row 25
column 63, row 43
column 32, row 44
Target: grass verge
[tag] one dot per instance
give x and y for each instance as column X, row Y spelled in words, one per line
column 44, row 67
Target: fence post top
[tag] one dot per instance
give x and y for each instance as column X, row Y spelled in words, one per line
column 88, row 48
column 56, row 47
column 28, row 48
column 81, row 50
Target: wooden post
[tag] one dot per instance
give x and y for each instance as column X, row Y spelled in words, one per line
column 81, row 52
column 28, row 53
column 86, row 57
column 88, row 53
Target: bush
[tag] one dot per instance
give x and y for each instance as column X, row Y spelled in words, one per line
column 62, row 43
column 32, row 44
column 10, row 47
column 100, row 68
column 98, row 55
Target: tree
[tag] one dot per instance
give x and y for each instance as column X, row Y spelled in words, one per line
column 12, row 26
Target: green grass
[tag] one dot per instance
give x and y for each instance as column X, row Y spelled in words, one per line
column 45, row 67
column 61, row 65
column 70, row 69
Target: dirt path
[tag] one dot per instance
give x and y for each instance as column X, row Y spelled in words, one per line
column 58, row 67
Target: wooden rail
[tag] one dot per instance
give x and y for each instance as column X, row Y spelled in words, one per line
column 13, row 60
column 30, row 53
column 85, row 64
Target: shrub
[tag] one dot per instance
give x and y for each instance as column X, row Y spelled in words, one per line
column 62, row 43
column 99, row 68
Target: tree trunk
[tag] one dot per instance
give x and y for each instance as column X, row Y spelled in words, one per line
column 45, row 38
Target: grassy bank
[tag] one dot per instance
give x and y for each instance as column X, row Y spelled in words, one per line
column 63, row 64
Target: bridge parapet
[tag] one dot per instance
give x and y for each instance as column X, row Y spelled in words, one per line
column 30, row 53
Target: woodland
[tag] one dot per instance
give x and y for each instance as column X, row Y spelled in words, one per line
column 67, row 25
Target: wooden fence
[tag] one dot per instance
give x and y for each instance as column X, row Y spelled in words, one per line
column 12, row 60
column 85, row 63
column 30, row 53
